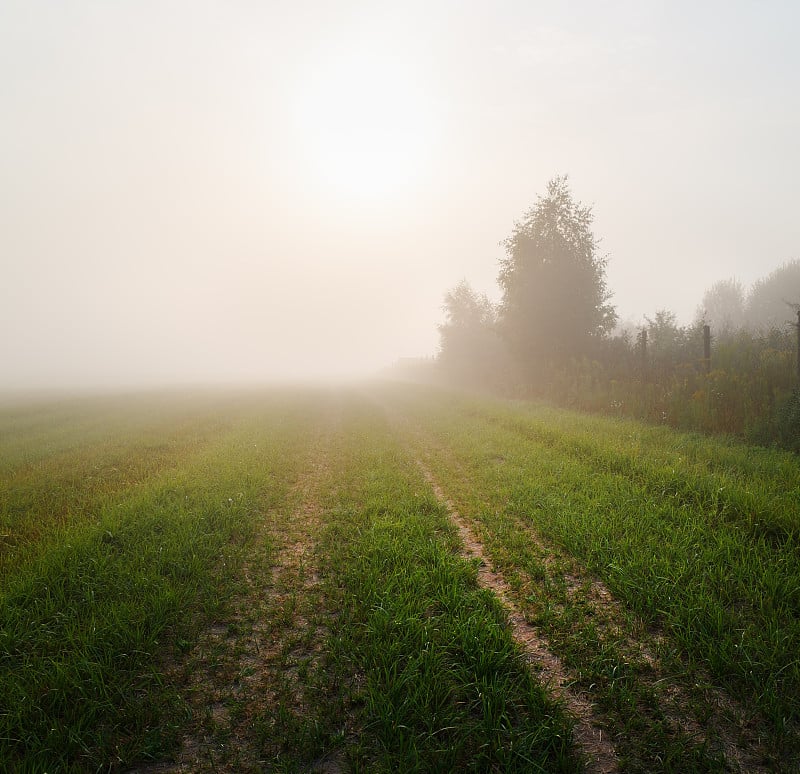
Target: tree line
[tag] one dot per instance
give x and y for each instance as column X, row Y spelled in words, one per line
column 555, row 334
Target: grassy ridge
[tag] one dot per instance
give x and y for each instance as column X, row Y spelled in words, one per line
column 442, row 685
column 696, row 535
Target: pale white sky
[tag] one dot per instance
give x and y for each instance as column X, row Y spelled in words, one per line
column 226, row 190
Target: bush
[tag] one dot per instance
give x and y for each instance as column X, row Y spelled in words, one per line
column 787, row 424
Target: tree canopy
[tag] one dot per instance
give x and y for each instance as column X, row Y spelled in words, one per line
column 723, row 306
column 470, row 349
column 770, row 304
column 555, row 299
column 773, row 301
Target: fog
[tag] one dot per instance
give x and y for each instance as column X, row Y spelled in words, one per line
column 239, row 191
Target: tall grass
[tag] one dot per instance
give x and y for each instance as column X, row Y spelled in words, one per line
column 747, row 391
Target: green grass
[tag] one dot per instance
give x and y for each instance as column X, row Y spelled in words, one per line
column 695, row 535
column 88, row 618
column 125, row 525
column 443, row 687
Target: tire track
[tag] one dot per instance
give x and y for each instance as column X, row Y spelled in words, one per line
column 591, row 738
column 590, row 732
column 244, row 666
column 727, row 726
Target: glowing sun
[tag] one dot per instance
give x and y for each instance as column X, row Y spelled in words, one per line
column 366, row 125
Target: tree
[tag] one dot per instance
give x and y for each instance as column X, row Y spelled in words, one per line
column 773, row 301
column 722, row 307
column 669, row 344
column 470, row 349
column 555, row 300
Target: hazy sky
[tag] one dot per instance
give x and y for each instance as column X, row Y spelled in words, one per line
column 224, row 190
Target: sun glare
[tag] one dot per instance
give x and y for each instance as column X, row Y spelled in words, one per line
column 365, row 125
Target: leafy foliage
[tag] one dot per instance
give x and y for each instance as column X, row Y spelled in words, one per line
column 723, row 306
column 774, row 300
column 787, row 422
column 548, row 337
column 470, row 348
column 553, row 281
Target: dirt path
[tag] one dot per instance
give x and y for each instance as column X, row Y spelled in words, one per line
column 591, row 730
column 590, row 733
column 259, row 657
column 727, row 726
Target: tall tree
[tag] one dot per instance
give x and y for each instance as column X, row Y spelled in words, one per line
column 555, row 298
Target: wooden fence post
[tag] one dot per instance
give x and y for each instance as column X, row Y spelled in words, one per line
column 643, row 353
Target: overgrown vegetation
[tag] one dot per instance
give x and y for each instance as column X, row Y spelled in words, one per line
column 550, row 337
column 745, row 389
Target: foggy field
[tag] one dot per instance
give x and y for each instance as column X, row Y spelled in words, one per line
column 377, row 215
column 390, row 578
